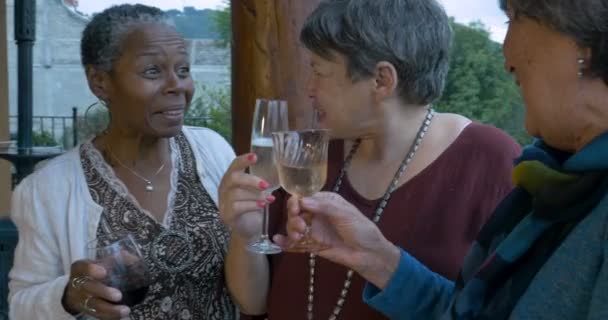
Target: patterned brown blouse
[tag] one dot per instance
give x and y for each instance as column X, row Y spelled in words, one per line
column 185, row 254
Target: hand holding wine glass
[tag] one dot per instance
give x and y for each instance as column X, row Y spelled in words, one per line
column 270, row 116
column 241, row 197
column 126, row 269
column 302, row 162
column 340, row 233
column 105, row 287
column 86, row 293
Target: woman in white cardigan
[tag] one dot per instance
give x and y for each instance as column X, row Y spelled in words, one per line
column 146, row 175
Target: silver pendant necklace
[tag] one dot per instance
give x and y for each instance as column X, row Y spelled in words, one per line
column 378, row 213
column 148, row 182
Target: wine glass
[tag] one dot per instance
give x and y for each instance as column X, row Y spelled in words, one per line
column 269, row 116
column 301, row 157
column 126, row 269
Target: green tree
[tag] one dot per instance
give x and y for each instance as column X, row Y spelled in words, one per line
column 221, row 24
column 478, row 86
column 43, row 139
column 194, row 23
column 212, row 109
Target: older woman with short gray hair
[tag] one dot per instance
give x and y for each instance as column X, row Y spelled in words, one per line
column 377, row 67
column 544, row 253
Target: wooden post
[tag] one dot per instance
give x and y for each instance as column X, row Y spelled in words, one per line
column 268, row 61
column 5, row 172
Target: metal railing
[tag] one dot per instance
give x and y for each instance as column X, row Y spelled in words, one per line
column 64, row 130
column 53, row 130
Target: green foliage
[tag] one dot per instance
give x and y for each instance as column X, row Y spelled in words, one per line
column 212, row 109
column 478, row 86
column 221, row 25
column 195, row 24
column 43, row 139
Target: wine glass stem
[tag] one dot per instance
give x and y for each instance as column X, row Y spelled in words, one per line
column 265, row 223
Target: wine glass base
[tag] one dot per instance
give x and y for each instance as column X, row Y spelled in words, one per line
column 264, row 247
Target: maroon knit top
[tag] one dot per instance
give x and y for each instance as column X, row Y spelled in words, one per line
column 435, row 216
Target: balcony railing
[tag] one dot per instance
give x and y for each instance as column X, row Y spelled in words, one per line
column 68, row 131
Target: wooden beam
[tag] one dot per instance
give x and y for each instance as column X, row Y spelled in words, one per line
column 268, row 61
column 5, row 173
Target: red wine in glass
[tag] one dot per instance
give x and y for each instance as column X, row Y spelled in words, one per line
column 126, row 269
column 133, row 297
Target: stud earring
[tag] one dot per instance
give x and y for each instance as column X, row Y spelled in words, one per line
column 581, row 67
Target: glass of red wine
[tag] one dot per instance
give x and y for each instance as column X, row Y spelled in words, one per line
column 126, row 269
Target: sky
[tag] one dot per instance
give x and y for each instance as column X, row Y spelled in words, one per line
column 91, row 6
column 487, row 11
column 464, row 11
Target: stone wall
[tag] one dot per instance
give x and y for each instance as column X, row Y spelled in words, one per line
column 59, row 82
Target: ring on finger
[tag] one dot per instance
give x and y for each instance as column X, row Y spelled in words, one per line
column 307, row 239
column 78, row 282
column 307, row 232
column 85, row 305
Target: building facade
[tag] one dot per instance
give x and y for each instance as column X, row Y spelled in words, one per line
column 59, row 81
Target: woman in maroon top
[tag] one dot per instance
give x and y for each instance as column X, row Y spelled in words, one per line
column 430, row 180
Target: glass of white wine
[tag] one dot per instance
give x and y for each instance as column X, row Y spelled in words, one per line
column 301, row 157
column 270, row 116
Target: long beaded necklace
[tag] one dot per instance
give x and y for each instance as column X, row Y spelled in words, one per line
column 378, row 213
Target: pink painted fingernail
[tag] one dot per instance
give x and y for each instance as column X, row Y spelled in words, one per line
column 116, row 295
column 270, row 198
column 263, row 185
column 261, row 204
column 251, row 157
column 125, row 312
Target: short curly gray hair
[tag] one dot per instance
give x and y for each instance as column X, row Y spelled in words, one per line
column 413, row 35
column 102, row 39
column 586, row 21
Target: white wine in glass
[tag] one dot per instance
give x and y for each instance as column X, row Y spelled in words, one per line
column 303, row 181
column 270, row 116
column 302, row 160
column 265, row 167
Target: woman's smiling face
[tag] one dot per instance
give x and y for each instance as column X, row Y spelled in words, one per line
column 150, row 87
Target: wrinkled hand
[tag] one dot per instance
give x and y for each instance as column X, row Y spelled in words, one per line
column 339, row 232
column 242, row 198
column 85, row 293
